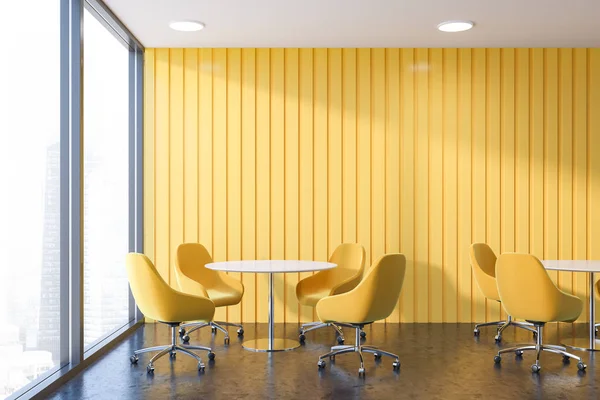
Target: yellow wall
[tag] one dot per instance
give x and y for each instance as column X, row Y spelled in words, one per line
column 272, row 153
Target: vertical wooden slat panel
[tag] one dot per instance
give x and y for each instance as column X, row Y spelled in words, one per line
column 349, row 145
column 248, row 79
column 493, row 152
column 277, row 171
column 407, row 178
column 306, row 134
column 464, row 196
column 363, row 159
column 436, row 160
column 565, row 164
column 550, row 164
column 580, row 159
column 334, row 146
column 291, row 180
column 479, row 167
column 263, row 177
column 176, row 189
column 220, row 170
column 377, row 156
column 522, row 150
column 234, row 167
column 161, row 162
column 422, row 186
column 392, row 160
column 507, row 153
column 190, row 145
column 450, row 185
column 205, row 146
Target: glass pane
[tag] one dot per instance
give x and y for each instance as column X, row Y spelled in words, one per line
column 105, row 192
column 29, row 192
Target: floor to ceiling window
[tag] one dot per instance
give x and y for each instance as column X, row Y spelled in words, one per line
column 29, row 192
column 66, row 211
column 105, row 180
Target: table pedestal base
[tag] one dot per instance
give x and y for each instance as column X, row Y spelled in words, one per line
column 581, row 344
column 262, row 345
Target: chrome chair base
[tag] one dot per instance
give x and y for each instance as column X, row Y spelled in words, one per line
column 502, row 325
column 358, row 348
column 214, row 326
column 311, row 326
column 172, row 349
column 539, row 347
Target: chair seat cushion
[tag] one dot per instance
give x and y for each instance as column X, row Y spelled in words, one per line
column 227, row 293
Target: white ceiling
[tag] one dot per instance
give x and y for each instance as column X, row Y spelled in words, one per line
column 363, row 23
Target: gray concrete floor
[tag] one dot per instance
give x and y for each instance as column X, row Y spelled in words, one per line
column 439, row 361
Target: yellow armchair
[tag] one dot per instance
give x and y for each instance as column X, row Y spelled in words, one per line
column 157, row 300
column 350, row 260
column 483, row 263
column 373, row 299
column 527, row 292
column 193, row 277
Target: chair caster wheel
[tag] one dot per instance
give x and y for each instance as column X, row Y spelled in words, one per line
column 476, row 332
column 150, row 369
column 181, row 331
column 226, row 340
column 395, row 364
column 497, row 359
column 213, row 329
column 566, row 359
column 301, row 338
column 581, row 366
column 185, row 339
column 498, row 338
column 201, row 367
column 363, row 334
column 596, row 331
column 536, row 368
column 211, row 355
column 321, row 364
column 240, row 332
column 172, row 354
column 361, row 372
column 134, row 359
column 377, row 356
column 340, row 340
column 519, row 353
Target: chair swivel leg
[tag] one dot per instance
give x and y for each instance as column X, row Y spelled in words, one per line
column 539, row 348
column 172, row 350
column 318, row 325
column 357, row 348
column 214, row 326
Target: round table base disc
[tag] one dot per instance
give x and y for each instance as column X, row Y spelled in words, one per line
column 580, row 344
column 262, row 345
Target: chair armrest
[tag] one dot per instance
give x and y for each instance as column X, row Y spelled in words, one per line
column 190, row 286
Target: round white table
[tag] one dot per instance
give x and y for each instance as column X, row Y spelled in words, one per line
column 589, row 266
column 270, row 267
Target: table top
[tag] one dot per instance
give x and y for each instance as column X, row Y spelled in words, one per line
column 270, row 266
column 572, row 265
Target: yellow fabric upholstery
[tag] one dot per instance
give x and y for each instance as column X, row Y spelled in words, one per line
column 373, row 299
column 193, row 277
column 527, row 292
column 157, row 300
column 350, row 260
column 483, row 263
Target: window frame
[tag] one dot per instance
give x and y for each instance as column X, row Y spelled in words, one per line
column 72, row 133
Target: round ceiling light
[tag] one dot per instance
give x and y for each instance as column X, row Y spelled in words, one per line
column 455, row 26
column 186, row 26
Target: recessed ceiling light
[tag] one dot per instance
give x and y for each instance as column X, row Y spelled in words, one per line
column 455, row 26
column 186, row 26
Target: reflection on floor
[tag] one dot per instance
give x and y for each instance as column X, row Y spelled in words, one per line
column 439, row 361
